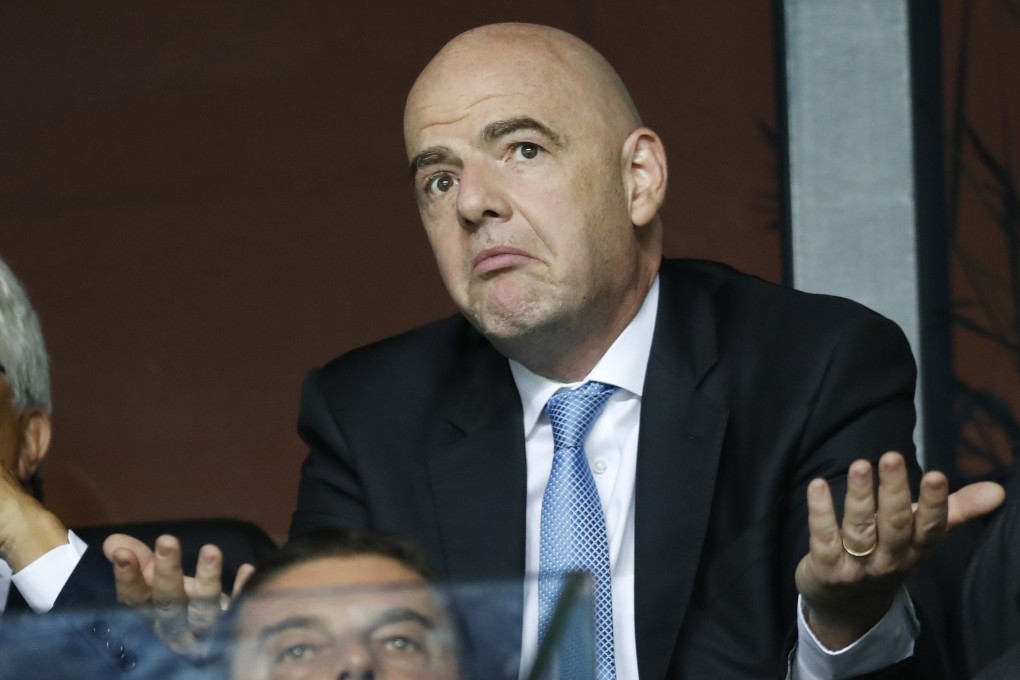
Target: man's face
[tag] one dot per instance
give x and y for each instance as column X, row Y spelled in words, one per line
column 519, row 182
column 331, row 618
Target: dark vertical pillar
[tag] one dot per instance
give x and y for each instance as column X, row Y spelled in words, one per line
column 936, row 360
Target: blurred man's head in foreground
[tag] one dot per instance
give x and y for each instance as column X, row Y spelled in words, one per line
column 343, row 604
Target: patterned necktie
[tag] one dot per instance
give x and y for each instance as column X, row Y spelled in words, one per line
column 573, row 536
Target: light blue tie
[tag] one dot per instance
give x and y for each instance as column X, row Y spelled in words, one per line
column 573, row 536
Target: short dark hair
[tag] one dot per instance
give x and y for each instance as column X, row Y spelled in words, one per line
column 337, row 542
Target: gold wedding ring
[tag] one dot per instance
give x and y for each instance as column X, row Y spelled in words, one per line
column 854, row 553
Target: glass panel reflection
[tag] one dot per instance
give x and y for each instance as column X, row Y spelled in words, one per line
column 402, row 632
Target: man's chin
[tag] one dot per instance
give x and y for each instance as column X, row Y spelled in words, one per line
column 506, row 323
column 512, row 306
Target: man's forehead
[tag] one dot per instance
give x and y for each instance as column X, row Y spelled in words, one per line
column 481, row 112
column 494, row 123
column 337, row 614
column 345, row 573
column 468, row 80
column 349, row 602
column 494, row 96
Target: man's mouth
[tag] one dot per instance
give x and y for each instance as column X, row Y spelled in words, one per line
column 498, row 258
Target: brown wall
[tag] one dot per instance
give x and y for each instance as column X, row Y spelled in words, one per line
column 206, row 199
column 981, row 57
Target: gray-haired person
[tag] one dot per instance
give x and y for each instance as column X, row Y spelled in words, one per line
column 38, row 553
column 49, row 567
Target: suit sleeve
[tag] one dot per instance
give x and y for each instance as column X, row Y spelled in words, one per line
column 806, row 395
column 86, row 634
column 864, row 404
column 864, row 407
column 90, row 585
column 861, row 406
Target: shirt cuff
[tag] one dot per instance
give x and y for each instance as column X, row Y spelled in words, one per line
column 41, row 581
column 890, row 640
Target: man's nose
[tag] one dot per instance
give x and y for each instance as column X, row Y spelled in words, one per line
column 481, row 197
column 354, row 662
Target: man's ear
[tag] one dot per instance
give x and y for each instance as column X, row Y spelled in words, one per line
column 644, row 169
column 34, row 443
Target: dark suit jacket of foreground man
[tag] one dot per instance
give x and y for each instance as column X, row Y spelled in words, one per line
column 751, row 391
column 88, row 635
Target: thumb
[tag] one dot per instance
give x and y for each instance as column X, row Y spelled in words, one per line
column 973, row 501
column 244, row 572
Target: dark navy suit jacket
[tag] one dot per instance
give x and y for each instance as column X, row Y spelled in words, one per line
column 86, row 635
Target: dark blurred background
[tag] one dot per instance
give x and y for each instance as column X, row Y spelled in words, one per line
column 205, row 199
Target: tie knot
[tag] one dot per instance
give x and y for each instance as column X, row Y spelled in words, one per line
column 573, row 413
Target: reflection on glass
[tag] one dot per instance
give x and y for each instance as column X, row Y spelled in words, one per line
column 299, row 625
column 399, row 633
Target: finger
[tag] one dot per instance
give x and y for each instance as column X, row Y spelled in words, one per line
column 244, row 572
column 823, row 531
column 142, row 553
column 168, row 596
column 132, row 589
column 974, row 500
column 932, row 511
column 859, row 529
column 895, row 515
column 204, row 591
column 208, row 572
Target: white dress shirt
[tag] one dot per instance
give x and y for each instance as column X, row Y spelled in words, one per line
column 611, row 449
column 41, row 581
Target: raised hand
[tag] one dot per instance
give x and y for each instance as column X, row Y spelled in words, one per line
column 184, row 609
column 853, row 570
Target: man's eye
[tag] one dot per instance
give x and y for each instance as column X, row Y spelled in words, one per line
column 402, row 644
column 526, row 151
column 295, row 653
column 440, row 183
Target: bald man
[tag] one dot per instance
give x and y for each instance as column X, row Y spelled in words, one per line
column 723, row 414
column 730, row 412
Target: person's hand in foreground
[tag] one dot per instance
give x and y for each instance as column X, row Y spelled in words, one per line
column 853, row 570
column 184, row 609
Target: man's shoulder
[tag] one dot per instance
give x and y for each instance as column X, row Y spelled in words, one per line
column 436, row 347
column 414, row 373
column 739, row 297
column 713, row 310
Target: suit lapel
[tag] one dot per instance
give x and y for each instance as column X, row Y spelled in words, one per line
column 477, row 473
column 678, row 452
column 476, row 464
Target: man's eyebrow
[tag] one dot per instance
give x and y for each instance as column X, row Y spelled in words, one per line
column 398, row 614
column 430, row 156
column 501, row 128
column 289, row 623
column 490, row 133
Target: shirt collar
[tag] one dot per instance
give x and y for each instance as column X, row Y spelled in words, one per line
column 624, row 364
